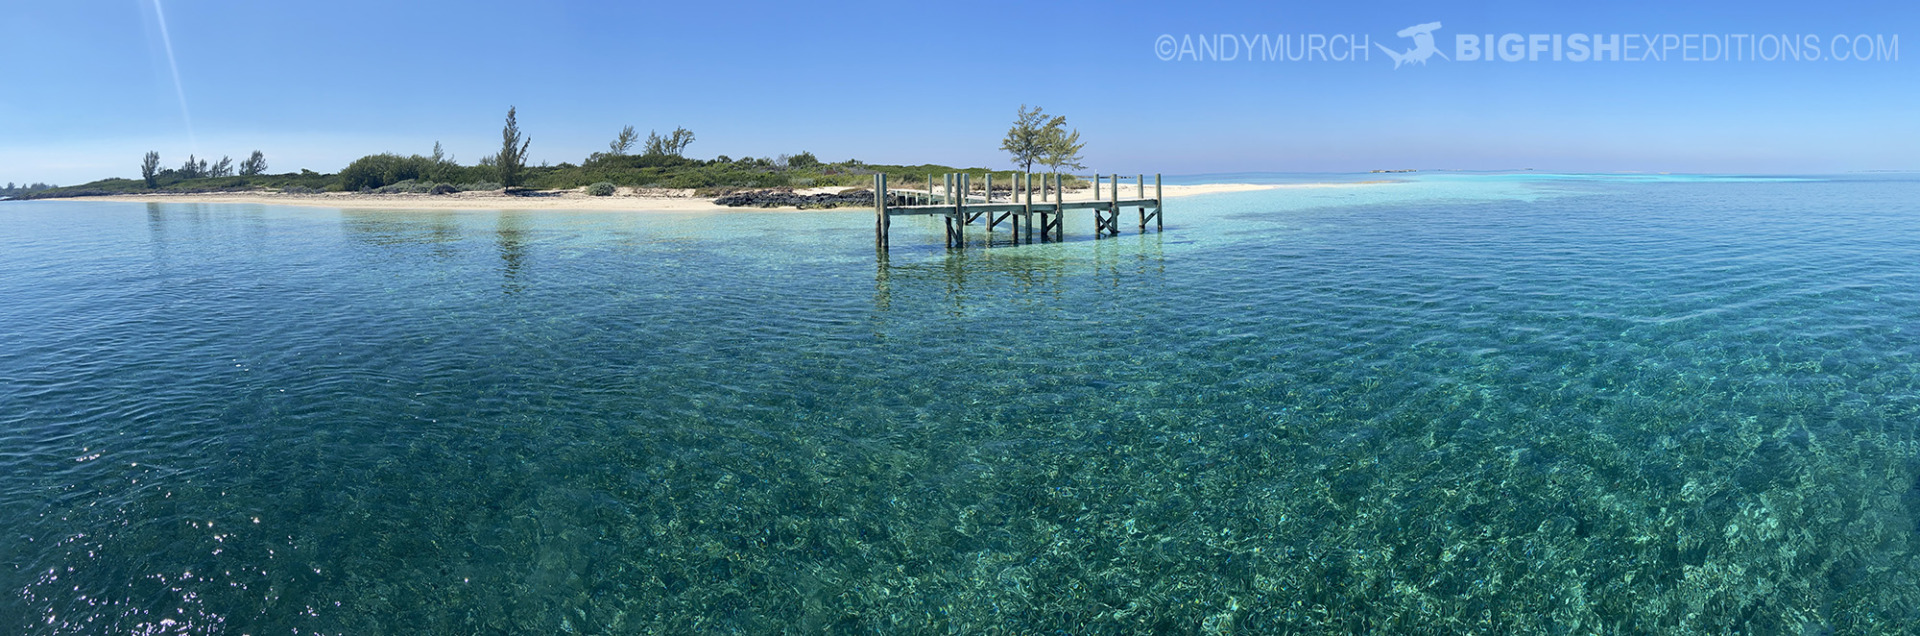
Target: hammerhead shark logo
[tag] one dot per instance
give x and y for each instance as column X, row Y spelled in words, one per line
column 1423, row 47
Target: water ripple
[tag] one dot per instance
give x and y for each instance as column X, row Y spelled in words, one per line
column 1486, row 403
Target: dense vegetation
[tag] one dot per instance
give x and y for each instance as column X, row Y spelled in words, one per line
column 14, row 190
column 381, row 171
column 661, row 164
column 303, row 181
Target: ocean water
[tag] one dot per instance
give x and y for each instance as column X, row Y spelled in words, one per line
column 1450, row 404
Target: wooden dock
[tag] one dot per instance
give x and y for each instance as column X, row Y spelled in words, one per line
column 955, row 201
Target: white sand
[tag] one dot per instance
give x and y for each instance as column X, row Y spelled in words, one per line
column 1128, row 189
column 626, row 200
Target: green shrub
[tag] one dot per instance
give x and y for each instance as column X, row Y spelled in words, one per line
column 385, row 169
column 374, row 171
column 601, row 189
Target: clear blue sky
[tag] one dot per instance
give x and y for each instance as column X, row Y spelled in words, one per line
column 89, row 87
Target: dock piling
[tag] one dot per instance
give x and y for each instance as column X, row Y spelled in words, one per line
column 1140, row 190
column 1159, row 203
column 1113, row 208
column 882, row 224
column 1059, row 211
column 1026, row 180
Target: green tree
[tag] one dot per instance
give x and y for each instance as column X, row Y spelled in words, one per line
column 623, row 142
column 150, row 169
column 1027, row 139
column 222, row 169
column 672, row 146
column 193, row 168
column 513, row 152
column 1061, row 150
column 256, row 164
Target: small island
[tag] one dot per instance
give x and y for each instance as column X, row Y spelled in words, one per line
column 653, row 173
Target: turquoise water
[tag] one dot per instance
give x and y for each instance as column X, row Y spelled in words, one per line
column 1455, row 404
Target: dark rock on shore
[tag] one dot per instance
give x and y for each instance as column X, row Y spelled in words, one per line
column 787, row 198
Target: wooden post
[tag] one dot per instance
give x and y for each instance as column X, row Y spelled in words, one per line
column 1099, row 220
column 1113, row 209
column 1099, row 228
column 1140, row 185
column 1160, row 206
column 989, row 188
column 880, row 222
column 966, row 182
column 966, row 192
column 960, row 210
column 1060, row 217
column 946, row 188
column 1045, row 224
column 1059, row 209
column 1026, row 182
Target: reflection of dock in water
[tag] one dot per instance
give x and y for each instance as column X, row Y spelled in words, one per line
column 967, row 278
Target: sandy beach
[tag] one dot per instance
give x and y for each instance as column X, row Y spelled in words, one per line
column 626, row 200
